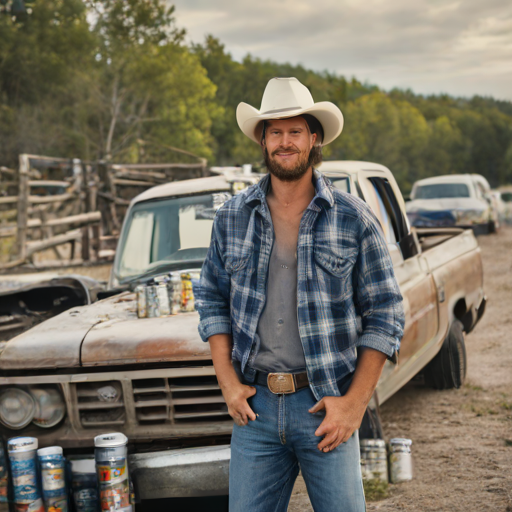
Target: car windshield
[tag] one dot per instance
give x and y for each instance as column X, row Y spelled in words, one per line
column 167, row 232
column 442, row 191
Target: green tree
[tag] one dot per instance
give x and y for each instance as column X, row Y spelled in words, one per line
column 146, row 83
column 39, row 55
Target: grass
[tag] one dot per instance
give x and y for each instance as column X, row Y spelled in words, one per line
column 472, row 387
column 375, row 489
column 482, row 410
column 506, row 405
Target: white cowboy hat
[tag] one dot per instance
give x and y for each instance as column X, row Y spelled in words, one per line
column 287, row 97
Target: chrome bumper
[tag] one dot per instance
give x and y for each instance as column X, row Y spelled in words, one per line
column 183, row 473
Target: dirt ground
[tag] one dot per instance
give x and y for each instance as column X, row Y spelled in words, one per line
column 462, row 439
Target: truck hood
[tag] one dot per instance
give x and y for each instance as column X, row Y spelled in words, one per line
column 107, row 332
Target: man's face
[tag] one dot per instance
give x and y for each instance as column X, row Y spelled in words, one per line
column 287, row 145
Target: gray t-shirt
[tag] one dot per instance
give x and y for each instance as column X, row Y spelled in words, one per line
column 280, row 348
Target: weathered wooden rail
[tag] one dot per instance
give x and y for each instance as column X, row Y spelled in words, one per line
column 77, row 217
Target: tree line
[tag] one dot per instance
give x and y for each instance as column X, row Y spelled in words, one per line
column 103, row 79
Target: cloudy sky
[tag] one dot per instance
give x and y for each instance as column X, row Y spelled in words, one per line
column 461, row 47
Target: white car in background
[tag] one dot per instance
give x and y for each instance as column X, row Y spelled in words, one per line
column 462, row 200
column 504, row 194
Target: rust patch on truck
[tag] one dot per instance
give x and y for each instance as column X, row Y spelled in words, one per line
column 144, row 340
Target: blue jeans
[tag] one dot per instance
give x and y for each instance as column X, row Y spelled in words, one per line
column 266, row 456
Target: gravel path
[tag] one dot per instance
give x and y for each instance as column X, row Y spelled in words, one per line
column 462, row 439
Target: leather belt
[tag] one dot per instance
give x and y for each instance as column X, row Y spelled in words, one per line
column 282, row 383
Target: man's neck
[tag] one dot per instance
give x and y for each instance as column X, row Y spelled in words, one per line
column 293, row 193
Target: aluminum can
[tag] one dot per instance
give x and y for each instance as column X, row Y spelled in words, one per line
column 187, row 293
column 22, row 456
column 4, row 478
column 162, row 294
column 374, row 460
column 141, row 302
column 84, row 484
column 152, row 301
column 53, row 478
column 195, row 278
column 400, row 460
column 174, row 291
column 112, row 469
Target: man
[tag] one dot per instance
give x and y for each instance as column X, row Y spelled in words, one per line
column 300, row 305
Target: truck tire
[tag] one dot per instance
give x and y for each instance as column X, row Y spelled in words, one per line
column 448, row 369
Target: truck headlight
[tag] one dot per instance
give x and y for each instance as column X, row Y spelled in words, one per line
column 17, row 408
column 49, row 406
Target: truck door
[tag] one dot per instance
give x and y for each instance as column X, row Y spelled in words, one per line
column 411, row 269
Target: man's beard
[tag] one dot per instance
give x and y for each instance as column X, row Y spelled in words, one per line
column 305, row 161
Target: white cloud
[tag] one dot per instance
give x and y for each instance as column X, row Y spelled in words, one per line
column 462, row 47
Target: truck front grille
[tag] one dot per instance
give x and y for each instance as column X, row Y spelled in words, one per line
column 100, row 403
column 147, row 405
column 178, row 400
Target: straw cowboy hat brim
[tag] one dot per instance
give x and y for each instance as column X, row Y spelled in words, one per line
column 284, row 98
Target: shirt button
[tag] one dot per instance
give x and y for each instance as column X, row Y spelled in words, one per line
column 280, row 321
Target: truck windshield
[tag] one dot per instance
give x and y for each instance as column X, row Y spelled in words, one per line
column 442, row 191
column 170, row 231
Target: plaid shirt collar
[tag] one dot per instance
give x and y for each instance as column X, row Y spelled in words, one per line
column 257, row 194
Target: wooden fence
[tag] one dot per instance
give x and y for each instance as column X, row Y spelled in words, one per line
column 76, row 218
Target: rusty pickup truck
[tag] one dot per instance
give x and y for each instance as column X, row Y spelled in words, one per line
column 100, row 368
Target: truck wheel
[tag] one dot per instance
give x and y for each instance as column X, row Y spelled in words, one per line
column 448, row 369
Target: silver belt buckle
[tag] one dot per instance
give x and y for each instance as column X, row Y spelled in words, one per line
column 281, row 383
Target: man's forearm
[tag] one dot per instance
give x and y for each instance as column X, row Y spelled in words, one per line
column 368, row 370
column 235, row 393
column 221, row 346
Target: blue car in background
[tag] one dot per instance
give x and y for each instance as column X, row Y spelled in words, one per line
column 455, row 200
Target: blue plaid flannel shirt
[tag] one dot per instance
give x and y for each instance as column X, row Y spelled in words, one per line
column 347, row 294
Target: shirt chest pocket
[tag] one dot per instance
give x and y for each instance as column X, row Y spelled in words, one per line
column 238, row 258
column 333, row 272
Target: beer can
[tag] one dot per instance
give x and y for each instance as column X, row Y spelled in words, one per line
column 141, row 302
column 112, row 468
column 152, row 301
column 400, row 460
column 162, row 295
column 187, row 293
column 4, row 477
column 163, row 299
column 174, row 292
column 53, row 478
column 374, row 459
column 84, row 484
column 22, row 455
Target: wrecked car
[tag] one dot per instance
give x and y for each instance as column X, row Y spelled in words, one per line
column 153, row 378
column 455, row 200
column 29, row 299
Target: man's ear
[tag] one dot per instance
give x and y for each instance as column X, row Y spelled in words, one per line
column 313, row 139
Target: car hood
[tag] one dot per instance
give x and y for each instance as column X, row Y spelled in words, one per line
column 451, row 203
column 107, row 332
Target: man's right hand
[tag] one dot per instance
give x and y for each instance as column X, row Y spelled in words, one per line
column 236, row 398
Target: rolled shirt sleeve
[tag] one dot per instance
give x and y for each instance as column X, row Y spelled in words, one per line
column 212, row 296
column 377, row 296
